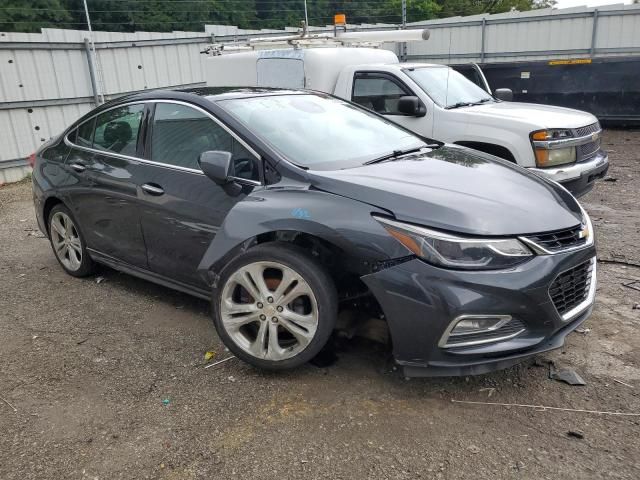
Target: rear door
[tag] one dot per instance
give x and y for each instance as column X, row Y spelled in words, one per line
column 181, row 208
column 103, row 194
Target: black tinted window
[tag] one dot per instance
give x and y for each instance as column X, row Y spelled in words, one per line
column 117, row 129
column 378, row 93
column 84, row 136
column 181, row 134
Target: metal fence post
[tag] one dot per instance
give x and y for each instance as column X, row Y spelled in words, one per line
column 484, row 24
column 594, row 32
column 403, row 45
column 92, row 73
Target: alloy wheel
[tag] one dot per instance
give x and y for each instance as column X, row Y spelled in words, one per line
column 269, row 310
column 66, row 241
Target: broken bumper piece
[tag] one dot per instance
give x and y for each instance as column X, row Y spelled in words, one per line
column 519, row 312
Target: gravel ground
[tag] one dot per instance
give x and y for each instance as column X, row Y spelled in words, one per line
column 107, row 381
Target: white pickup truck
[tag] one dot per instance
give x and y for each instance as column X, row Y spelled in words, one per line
column 434, row 101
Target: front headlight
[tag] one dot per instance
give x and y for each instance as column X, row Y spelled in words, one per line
column 451, row 251
column 547, row 146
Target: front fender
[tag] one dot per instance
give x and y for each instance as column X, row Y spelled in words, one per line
column 343, row 222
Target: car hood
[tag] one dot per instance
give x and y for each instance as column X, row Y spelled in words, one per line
column 538, row 116
column 457, row 189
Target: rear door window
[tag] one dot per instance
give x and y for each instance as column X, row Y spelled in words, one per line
column 117, row 129
column 181, row 133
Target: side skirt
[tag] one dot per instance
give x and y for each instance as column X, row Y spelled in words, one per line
column 149, row 276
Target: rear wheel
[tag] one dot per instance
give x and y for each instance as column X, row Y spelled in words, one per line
column 68, row 243
column 275, row 307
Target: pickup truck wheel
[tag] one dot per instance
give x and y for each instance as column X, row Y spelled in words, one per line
column 275, row 306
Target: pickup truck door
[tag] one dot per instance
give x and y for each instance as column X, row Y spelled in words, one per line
column 380, row 92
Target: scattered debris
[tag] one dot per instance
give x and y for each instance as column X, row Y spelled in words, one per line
column 209, row 355
column 575, row 434
column 473, row 449
column 566, row 375
column 15, row 410
column 82, row 341
column 636, row 306
column 622, row 383
column 635, row 285
column 583, row 331
column 618, row 262
column 219, row 362
column 611, row 179
column 99, row 280
column 34, row 337
column 166, row 402
column 231, row 378
column 488, row 389
column 542, row 408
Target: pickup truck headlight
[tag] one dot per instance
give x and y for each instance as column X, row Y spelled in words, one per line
column 548, row 149
column 451, row 251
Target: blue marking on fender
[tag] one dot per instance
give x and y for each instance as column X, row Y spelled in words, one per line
column 300, row 213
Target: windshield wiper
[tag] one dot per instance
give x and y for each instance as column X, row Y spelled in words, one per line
column 467, row 104
column 395, row 154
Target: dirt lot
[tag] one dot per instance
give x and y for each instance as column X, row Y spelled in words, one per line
column 107, row 381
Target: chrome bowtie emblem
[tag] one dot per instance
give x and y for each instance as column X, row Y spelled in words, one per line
column 584, row 233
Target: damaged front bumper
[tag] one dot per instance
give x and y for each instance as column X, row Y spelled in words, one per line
column 420, row 302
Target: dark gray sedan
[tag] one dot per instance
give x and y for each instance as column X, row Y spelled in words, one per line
column 286, row 208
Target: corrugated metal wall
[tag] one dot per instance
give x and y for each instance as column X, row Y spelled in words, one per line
column 45, row 81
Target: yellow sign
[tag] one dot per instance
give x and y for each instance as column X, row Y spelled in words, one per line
column 575, row 61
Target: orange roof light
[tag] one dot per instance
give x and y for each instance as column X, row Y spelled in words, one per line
column 340, row 19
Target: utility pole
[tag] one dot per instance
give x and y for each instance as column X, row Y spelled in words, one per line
column 403, row 45
column 92, row 59
column 306, row 17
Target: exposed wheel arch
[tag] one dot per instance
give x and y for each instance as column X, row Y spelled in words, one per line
column 490, row 148
column 46, row 210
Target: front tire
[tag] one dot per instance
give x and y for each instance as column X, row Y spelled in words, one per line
column 275, row 306
column 68, row 243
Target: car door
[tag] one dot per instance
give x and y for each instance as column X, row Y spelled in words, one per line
column 380, row 92
column 181, row 208
column 104, row 195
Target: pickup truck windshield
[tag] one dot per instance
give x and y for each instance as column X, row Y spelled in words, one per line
column 320, row 133
column 447, row 87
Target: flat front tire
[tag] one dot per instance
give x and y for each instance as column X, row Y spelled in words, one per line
column 275, row 306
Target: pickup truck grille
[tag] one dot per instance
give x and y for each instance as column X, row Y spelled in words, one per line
column 559, row 239
column 590, row 148
column 587, row 150
column 571, row 288
column 588, row 130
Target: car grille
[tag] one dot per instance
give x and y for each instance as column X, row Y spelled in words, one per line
column 570, row 288
column 559, row 239
column 588, row 130
column 513, row 327
column 587, row 150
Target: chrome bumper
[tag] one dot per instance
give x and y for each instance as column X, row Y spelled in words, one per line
column 573, row 171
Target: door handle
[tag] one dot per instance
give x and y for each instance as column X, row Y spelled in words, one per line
column 78, row 167
column 152, row 189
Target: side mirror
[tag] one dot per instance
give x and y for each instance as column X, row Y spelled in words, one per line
column 410, row 105
column 504, row 94
column 216, row 165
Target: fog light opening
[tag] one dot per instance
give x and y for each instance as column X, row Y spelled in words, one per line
column 468, row 330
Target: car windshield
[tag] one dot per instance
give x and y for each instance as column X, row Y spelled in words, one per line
column 320, row 133
column 447, row 87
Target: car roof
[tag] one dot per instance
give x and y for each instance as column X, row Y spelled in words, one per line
column 212, row 94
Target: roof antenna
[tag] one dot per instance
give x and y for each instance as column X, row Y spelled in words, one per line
column 306, row 17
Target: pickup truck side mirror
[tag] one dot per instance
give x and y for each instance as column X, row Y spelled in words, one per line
column 504, row 94
column 411, row 105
